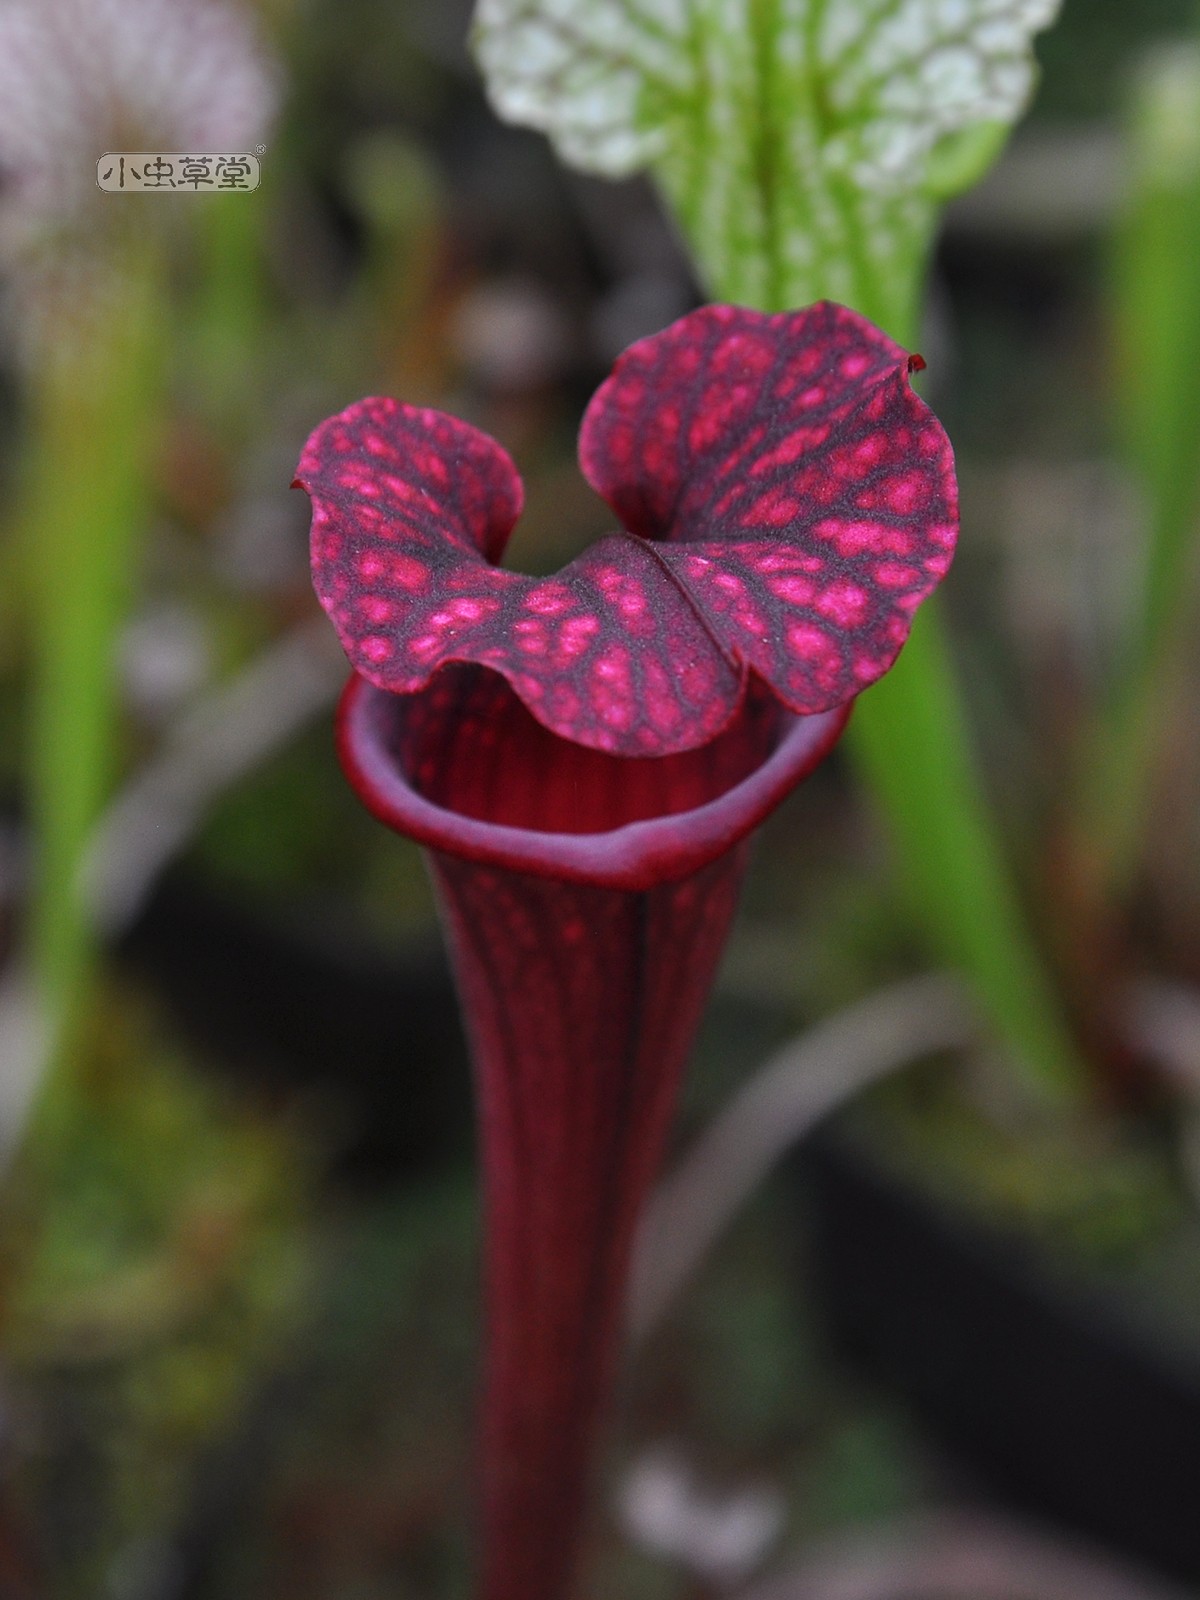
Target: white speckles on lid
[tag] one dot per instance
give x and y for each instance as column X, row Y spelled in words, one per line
column 895, row 574
column 844, row 602
column 808, row 641
column 793, row 589
column 576, row 635
column 376, row 648
column 612, row 667
column 530, row 636
column 549, row 600
column 376, row 609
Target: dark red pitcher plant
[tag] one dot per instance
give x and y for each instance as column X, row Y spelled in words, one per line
column 585, row 758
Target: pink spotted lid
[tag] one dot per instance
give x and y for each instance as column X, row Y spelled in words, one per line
column 786, row 503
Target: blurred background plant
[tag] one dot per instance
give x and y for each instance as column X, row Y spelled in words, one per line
column 236, row 1317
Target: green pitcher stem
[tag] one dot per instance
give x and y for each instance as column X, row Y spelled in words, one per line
column 910, row 741
column 95, row 415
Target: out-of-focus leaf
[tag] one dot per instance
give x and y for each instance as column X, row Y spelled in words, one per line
column 802, row 142
column 97, row 406
column 1156, row 314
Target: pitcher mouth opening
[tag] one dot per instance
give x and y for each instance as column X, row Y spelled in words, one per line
column 462, row 767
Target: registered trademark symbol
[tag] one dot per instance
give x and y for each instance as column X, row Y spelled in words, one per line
column 260, row 149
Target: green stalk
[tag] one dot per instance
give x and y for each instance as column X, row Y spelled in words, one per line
column 909, row 736
column 94, row 423
column 1155, row 288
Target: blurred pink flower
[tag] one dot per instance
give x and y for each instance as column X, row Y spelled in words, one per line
column 81, row 77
